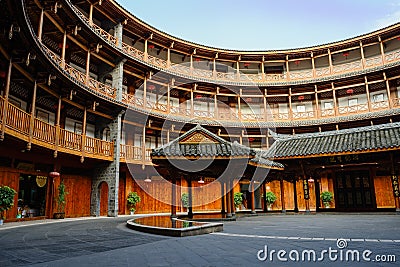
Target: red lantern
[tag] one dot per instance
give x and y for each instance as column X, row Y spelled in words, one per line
column 151, row 87
column 251, row 139
column 398, row 38
column 301, row 97
column 350, row 91
column 297, row 62
column 60, row 45
column 151, row 46
column 149, row 131
column 54, row 174
column 197, row 59
column 249, row 99
column 346, row 54
column 246, row 65
column 3, row 74
column 198, row 96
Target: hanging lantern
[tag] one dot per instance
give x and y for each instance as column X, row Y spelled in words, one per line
column 398, row 38
column 149, row 131
column 346, row 54
column 54, row 174
column 147, row 180
column 151, row 46
column 60, row 45
column 349, row 91
column 251, row 139
column 198, row 96
column 197, row 59
column 3, row 74
column 246, row 65
column 248, row 99
column 311, row 180
column 151, row 87
column 297, row 62
column 201, row 181
column 301, row 97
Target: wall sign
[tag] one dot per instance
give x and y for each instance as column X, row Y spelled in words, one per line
column 306, row 190
column 395, row 184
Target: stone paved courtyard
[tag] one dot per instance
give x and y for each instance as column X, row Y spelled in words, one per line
column 107, row 242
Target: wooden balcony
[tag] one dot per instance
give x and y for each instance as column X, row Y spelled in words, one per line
column 135, row 154
column 18, row 124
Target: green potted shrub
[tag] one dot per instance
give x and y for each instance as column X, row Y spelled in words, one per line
column 6, row 200
column 61, row 201
column 238, row 199
column 133, row 199
column 185, row 200
column 326, row 198
column 270, row 198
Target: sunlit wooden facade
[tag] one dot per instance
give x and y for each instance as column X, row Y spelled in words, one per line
column 87, row 89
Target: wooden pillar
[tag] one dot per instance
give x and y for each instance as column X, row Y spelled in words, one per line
column 168, row 98
column 143, row 146
column 214, row 68
column 263, row 68
column 192, row 100
column 32, row 117
column 290, row 104
column 382, row 50
column 190, row 213
column 145, row 92
column 314, row 72
column 367, row 92
column 296, row 206
column 168, row 58
column 87, row 67
column 330, row 61
column 390, row 103
column 63, row 49
column 223, row 211
column 265, row 204
column 145, row 50
column 191, row 63
column 5, row 103
column 317, row 109
column 253, row 202
column 283, row 200
column 335, row 105
column 287, row 67
column 40, row 28
column 83, row 134
column 57, row 139
column 173, row 197
column 363, row 63
column 91, row 15
column 228, row 200
column 216, row 104
column 238, row 69
column 233, row 198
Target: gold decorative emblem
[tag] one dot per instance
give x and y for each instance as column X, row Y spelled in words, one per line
column 41, row 180
column 198, row 138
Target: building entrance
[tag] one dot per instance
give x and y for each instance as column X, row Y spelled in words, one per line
column 32, row 195
column 354, row 191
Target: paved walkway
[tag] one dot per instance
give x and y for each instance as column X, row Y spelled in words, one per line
column 107, row 242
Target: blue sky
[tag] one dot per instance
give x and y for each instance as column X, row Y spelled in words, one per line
column 265, row 24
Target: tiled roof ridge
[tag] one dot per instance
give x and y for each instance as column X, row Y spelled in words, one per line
column 282, row 137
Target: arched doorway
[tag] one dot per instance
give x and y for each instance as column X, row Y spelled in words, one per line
column 103, row 188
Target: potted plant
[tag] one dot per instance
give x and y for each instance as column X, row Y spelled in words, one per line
column 326, row 198
column 133, row 199
column 185, row 200
column 238, row 199
column 270, row 198
column 6, row 200
column 61, row 201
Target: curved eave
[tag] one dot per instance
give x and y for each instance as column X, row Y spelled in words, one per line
column 116, row 8
column 198, row 157
column 265, row 166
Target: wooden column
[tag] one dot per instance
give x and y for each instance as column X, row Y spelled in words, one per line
column 335, row 105
column 330, row 61
column 32, row 117
column 168, row 58
column 290, row 113
column 296, row 206
column 190, row 213
column 91, row 15
column 83, row 134
column 382, row 50
column 145, row 92
column 363, row 63
column 57, row 140
column 282, row 186
column 390, row 102
column 191, row 63
column 40, row 28
column 265, row 208
column 233, row 208
column 253, row 202
column 238, row 69
column 265, row 106
column 145, row 50
column 214, row 68
column 87, row 67
column 228, row 200
column 239, row 106
column 223, row 198
column 168, row 98
column 216, row 104
column 173, row 197
column 5, row 103
column 143, row 146
column 314, row 72
column 287, row 67
column 263, row 68
column 367, row 92
column 192, row 100
column 63, row 49
column 317, row 109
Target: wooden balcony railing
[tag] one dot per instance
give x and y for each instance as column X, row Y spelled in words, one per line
column 17, row 124
column 353, row 109
column 135, row 154
column 232, row 77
